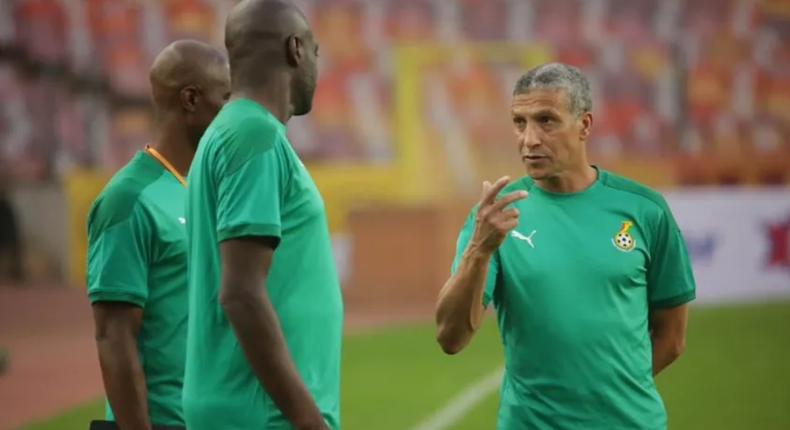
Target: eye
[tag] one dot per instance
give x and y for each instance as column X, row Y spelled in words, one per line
column 544, row 119
column 520, row 122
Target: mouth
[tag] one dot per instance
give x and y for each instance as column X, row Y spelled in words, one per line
column 533, row 158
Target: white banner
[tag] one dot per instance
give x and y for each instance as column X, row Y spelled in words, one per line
column 739, row 242
column 341, row 251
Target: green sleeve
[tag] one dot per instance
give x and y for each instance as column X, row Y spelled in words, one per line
column 119, row 251
column 253, row 172
column 670, row 280
column 493, row 266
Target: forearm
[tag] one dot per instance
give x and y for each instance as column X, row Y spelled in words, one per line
column 124, row 383
column 460, row 305
column 665, row 351
column 257, row 328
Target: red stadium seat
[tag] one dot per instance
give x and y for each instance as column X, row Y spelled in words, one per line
column 724, row 90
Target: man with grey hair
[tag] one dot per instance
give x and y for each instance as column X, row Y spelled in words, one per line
column 589, row 276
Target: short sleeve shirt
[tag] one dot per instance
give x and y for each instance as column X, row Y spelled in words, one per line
column 247, row 181
column 572, row 286
column 137, row 254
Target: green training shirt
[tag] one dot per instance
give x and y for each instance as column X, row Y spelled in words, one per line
column 137, row 254
column 246, row 180
column 572, row 286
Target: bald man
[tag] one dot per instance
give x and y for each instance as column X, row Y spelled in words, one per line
column 266, row 312
column 137, row 261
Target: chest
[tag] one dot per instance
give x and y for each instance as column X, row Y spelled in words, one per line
column 168, row 214
column 301, row 201
column 573, row 251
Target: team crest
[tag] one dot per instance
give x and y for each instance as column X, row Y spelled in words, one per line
column 623, row 240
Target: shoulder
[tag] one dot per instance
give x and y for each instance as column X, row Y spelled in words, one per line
column 123, row 195
column 644, row 203
column 246, row 130
column 636, row 193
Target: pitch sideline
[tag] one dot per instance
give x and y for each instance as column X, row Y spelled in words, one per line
column 460, row 405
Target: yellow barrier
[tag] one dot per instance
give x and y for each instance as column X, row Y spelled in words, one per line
column 419, row 171
column 427, row 173
column 340, row 185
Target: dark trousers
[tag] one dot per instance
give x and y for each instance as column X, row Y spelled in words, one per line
column 10, row 243
column 110, row 425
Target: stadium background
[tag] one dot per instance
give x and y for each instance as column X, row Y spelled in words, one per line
column 411, row 114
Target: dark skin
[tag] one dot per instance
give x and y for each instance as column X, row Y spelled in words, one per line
column 551, row 140
column 668, row 335
column 190, row 82
column 273, row 57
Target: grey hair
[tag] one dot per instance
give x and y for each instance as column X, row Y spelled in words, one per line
column 559, row 76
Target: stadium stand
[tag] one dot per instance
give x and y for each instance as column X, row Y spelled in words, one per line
column 662, row 72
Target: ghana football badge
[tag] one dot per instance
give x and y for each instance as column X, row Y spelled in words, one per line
column 623, row 240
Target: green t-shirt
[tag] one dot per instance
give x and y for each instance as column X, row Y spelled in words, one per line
column 137, row 253
column 572, row 286
column 246, row 180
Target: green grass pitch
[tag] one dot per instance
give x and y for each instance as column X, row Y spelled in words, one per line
column 735, row 375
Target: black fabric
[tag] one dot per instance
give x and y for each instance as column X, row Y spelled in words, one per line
column 10, row 243
column 110, row 425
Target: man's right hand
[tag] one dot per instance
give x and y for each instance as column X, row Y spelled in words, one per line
column 317, row 426
column 117, row 327
column 492, row 220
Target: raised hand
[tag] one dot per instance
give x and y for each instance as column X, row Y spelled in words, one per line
column 492, row 220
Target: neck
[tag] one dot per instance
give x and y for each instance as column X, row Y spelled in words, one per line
column 174, row 144
column 275, row 96
column 570, row 181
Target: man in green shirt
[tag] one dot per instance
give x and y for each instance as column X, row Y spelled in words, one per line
column 266, row 311
column 589, row 275
column 137, row 254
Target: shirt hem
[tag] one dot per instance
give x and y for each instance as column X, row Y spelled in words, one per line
column 674, row 301
column 248, row 230
column 104, row 294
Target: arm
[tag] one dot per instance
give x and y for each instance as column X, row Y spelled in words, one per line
column 668, row 334
column 245, row 264
column 117, row 325
column 462, row 301
column 253, row 174
column 465, row 296
column 671, row 287
column 118, row 256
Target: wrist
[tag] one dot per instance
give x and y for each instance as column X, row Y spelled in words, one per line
column 309, row 418
column 477, row 252
column 314, row 424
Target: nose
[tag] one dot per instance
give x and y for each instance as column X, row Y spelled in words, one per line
column 530, row 138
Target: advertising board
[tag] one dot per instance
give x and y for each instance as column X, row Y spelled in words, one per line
column 738, row 240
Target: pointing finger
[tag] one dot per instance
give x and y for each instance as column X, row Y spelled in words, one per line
column 486, row 188
column 490, row 195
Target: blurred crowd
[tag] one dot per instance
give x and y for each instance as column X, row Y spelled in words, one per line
column 669, row 76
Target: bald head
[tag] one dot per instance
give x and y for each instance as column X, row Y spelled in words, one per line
column 190, row 81
column 265, row 38
column 183, row 64
column 260, row 27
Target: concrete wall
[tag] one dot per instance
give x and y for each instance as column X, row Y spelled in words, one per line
column 43, row 218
